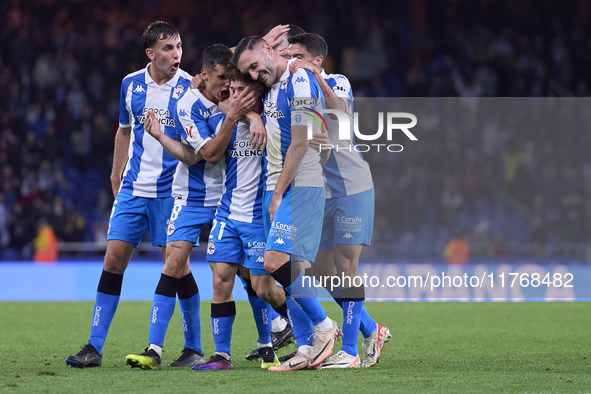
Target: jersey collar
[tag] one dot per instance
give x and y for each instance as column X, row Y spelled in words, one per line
column 172, row 83
column 286, row 74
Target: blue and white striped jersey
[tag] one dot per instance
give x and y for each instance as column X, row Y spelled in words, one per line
column 345, row 172
column 292, row 92
column 244, row 175
column 198, row 120
column 150, row 168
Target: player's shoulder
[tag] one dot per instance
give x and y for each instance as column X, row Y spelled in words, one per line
column 184, row 78
column 134, row 76
column 301, row 76
column 302, row 81
column 188, row 99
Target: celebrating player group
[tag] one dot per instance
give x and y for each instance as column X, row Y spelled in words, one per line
column 231, row 148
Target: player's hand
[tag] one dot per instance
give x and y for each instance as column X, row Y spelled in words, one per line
column 152, row 125
column 275, row 202
column 319, row 139
column 197, row 82
column 301, row 63
column 321, row 142
column 273, row 37
column 243, row 104
column 258, row 133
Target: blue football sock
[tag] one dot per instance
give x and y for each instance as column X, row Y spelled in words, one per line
column 351, row 320
column 191, row 320
column 292, row 281
column 107, row 300
column 307, row 300
column 261, row 311
column 162, row 311
column 162, row 308
column 104, row 309
column 222, row 319
column 303, row 330
column 189, row 301
column 367, row 324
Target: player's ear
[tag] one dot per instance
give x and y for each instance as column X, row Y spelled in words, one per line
column 150, row 53
column 267, row 48
column 204, row 75
column 318, row 61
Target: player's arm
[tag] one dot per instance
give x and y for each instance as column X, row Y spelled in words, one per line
column 213, row 150
column 122, row 140
column 177, row 149
column 333, row 100
column 293, row 159
column 321, row 142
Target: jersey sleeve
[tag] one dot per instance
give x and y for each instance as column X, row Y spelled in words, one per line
column 124, row 116
column 194, row 127
column 342, row 87
column 304, row 95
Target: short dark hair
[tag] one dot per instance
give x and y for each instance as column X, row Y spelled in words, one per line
column 247, row 43
column 312, row 42
column 295, row 30
column 233, row 74
column 216, row 54
column 158, row 30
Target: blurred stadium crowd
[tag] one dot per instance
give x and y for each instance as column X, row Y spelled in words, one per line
column 62, row 62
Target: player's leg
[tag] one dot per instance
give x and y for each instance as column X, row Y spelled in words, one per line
column 181, row 233
column 224, row 254
column 190, row 300
column 346, row 258
column 127, row 226
column 265, row 287
column 324, row 267
column 272, row 326
column 301, row 208
column 223, row 313
column 163, row 305
column 348, row 240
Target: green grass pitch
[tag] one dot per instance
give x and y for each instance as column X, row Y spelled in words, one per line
column 532, row 347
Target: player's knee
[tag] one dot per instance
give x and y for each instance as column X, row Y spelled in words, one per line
column 221, row 286
column 346, row 266
column 175, row 266
column 115, row 264
column 272, row 262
